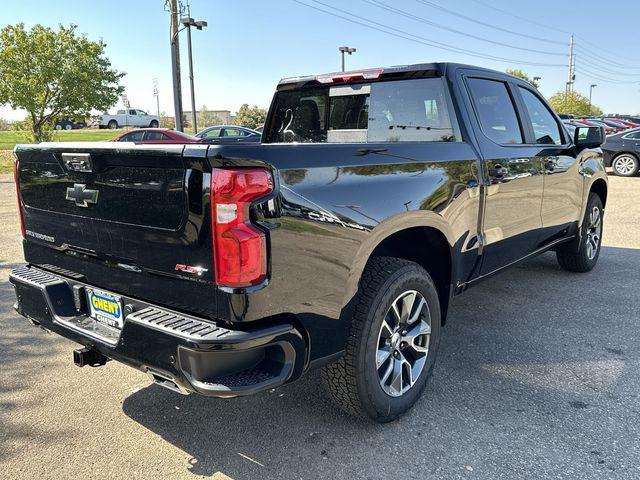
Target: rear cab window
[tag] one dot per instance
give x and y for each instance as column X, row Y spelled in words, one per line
column 416, row 110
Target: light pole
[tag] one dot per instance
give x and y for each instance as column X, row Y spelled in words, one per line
column 535, row 79
column 174, row 9
column 156, row 93
column 189, row 22
column 344, row 50
column 590, row 93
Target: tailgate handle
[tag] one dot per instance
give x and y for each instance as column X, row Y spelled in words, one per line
column 78, row 162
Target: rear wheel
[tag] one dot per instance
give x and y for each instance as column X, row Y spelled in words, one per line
column 625, row 165
column 582, row 254
column 392, row 343
column 68, row 126
column 58, row 126
column 112, row 124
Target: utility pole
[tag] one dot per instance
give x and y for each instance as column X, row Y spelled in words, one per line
column 175, row 63
column 572, row 66
column 344, row 50
column 590, row 93
column 189, row 22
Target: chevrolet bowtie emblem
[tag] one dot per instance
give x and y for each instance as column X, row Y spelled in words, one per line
column 81, row 196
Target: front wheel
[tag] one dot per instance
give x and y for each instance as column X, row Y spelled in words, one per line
column 392, row 343
column 625, row 165
column 582, row 254
column 153, row 124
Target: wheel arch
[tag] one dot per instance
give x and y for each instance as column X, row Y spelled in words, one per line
column 421, row 237
column 600, row 188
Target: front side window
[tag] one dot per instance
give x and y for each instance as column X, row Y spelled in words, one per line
column 495, row 110
column 132, row 137
column 213, row 133
column 544, row 124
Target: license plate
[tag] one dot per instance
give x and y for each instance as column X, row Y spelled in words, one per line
column 105, row 307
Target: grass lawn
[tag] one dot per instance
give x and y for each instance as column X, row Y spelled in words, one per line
column 6, row 161
column 8, row 139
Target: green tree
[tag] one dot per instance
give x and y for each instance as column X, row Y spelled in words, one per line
column 207, row 118
column 521, row 74
column 250, row 117
column 573, row 103
column 52, row 73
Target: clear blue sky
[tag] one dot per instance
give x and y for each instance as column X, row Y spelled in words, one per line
column 249, row 45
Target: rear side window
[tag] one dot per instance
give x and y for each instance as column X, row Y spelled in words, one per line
column 395, row 111
column 632, row 136
column 545, row 127
column 495, row 110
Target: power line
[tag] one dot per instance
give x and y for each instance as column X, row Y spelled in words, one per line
column 597, row 75
column 459, row 32
column 549, row 27
column 389, row 30
column 489, row 25
column 602, row 60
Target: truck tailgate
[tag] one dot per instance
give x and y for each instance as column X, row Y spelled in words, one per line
column 126, row 216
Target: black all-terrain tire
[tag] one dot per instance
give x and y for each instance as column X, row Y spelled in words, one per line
column 574, row 256
column 112, row 124
column 353, row 380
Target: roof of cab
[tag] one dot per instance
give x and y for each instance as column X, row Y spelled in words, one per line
column 399, row 72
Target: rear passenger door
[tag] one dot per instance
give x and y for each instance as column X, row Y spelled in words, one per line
column 563, row 182
column 513, row 180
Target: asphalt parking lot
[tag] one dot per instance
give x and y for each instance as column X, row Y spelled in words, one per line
column 538, row 377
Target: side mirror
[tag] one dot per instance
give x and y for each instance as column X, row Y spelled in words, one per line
column 588, row 137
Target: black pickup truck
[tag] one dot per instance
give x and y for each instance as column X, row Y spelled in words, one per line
column 337, row 242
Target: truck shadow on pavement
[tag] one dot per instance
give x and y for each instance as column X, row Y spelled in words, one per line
column 537, row 367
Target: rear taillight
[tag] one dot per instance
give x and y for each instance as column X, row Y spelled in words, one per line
column 239, row 247
column 15, row 179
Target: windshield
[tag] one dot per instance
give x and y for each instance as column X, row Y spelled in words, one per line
column 393, row 111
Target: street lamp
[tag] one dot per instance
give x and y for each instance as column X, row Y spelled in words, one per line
column 344, row 50
column 590, row 93
column 535, row 79
column 189, row 22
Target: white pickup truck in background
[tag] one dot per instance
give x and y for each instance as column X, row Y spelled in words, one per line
column 130, row 117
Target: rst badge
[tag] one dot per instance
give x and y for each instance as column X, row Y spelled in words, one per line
column 189, row 269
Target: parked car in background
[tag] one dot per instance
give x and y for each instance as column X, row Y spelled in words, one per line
column 229, row 134
column 130, row 117
column 616, row 125
column 156, row 135
column 69, row 123
column 595, row 123
column 629, row 118
column 622, row 151
column 626, row 123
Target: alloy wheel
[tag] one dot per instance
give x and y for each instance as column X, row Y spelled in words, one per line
column 594, row 232
column 403, row 343
column 624, row 164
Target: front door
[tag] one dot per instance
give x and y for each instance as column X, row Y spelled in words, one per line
column 563, row 183
column 513, row 173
